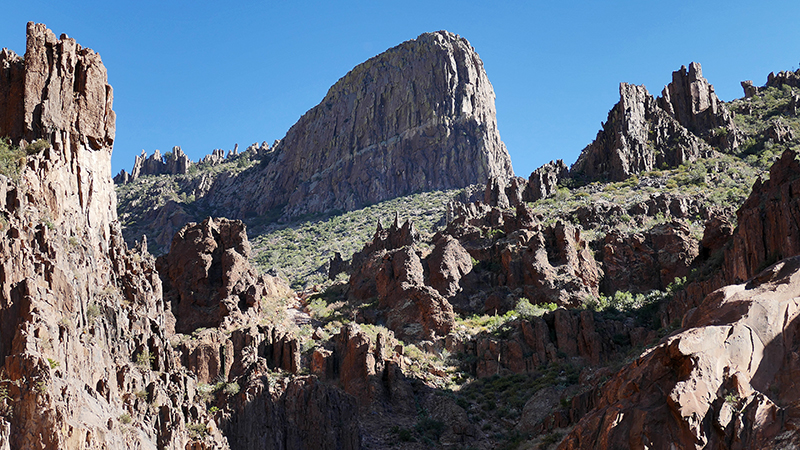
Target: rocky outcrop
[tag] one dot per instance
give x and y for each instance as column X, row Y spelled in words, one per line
column 208, row 278
column 514, row 253
column 543, row 181
column 637, row 136
column 643, row 133
column 390, row 270
column 561, row 335
column 642, row 262
column 768, row 220
column 784, row 78
column 778, row 132
column 723, row 382
column 82, row 321
column 301, row 413
column 691, row 100
column 173, row 163
column 481, row 263
column 402, row 122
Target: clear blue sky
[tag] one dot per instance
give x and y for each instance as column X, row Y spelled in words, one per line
column 207, row 75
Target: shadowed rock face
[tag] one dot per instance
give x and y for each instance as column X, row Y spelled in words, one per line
column 419, row 116
column 208, row 278
column 726, row 381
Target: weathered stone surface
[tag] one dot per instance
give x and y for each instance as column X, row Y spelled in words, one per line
column 783, row 78
column 691, row 100
column 447, row 264
column 404, row 121
column 642, row 262
column 12, row 72
column 543, row 181
column 638, row 136
column 768, row 222
column 718, row 383
column 412, row 309
column 174, row 163
column 750, row 90
column 305, row 413
column 83, row 326
column 779, row 132
column 208, row 278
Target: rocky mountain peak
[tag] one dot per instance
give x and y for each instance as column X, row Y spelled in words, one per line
column 691, row 100
column 643, row 133
column 404, row 121
column 637, row 136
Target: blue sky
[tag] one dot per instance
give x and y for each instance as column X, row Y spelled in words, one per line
column 202, row 75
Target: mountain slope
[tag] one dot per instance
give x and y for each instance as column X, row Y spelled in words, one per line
column 415, row 118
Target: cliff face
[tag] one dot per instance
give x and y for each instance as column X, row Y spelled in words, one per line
column 419, row 116
column 76, row 305
column 89, row 357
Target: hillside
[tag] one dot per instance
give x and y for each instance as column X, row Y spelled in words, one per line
column 418, row 117
column 644, row 297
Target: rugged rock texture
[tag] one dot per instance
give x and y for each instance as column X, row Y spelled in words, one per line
column 750, row 90
column 691, row 100
column 173, row 163
column 768, row 222
column 38, row 100
column 404, row 121
column 645, row 261
column 543, row 181
column 779, row 132
column 208, row 278
column 767, row 232
column 643, row 133
column 482, row 263
column 77, row 307
column 723, row 382
column 390, row 269
column 557, row 336
column 783, row 78
column 517, row 257
column 638, row 136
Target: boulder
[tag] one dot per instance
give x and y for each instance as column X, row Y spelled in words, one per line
column 722, row 382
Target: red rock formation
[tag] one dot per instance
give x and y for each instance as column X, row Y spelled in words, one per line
column 82, row 321
column 767, row 231
column 208, row 278
column 651, row 260
column 723, row 382
column 638, row 136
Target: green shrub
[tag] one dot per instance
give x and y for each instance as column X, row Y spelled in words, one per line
column 144, row 359
column 11, row 159
column 37, row 146
column 125, row 419
column 197, row 430
column 92, row 312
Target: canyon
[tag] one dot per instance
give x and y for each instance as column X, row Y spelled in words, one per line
column 644, row 297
